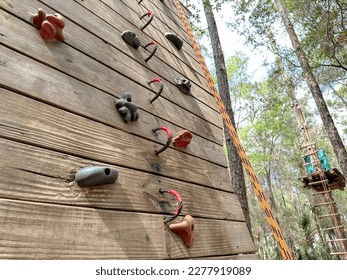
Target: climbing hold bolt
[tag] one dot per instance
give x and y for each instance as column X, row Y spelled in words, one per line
column 179, row 206
column 182, row 139
column 169, row 138
column 51, row 26
column 185, row 230
column 126, row 108
column 156, row 80
column 96, row 175
column 183, row 84
column 175, row 39
column 150, row 16
column 153, row 51
column 131, row 38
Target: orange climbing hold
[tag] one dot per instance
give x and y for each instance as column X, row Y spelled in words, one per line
column 185, row 229
column 51, row 26
column 182, row 139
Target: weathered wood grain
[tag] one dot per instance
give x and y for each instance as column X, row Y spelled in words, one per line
column 167, row 21
column 41, row 82
column 170, row 8
column 17, row 34
column 188, row 57
column 36, row 123
column 169, row 14
column 43, row 231
column 155, row 30
column 108, row 19
column 162, row 26
column 130, row 11
column 35, row 174
column 57, row 116
column 111, row 57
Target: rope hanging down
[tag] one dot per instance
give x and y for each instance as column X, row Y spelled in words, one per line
column 276, row 230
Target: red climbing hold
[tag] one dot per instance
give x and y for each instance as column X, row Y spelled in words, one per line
column 155, row 80
column 182, row 139
column 39, row 18
column 51, row 26
column 185, row 229
column 57, row 21
column 47, row 31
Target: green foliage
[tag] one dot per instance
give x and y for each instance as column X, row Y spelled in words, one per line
column 271, row 137
column 266, row 122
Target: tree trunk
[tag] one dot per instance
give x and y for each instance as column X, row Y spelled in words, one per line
column 333, row 134
column 235, row 164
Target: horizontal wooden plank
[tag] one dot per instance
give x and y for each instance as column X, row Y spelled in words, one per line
column 127, row 16
column 156, row 29
column 162, row 24
column 171, row 14
column 130, row 74
column 111, row 24
column 29, row 77
column 33, row 122
column 84, row 68
column 166, row 19
column 189, row 58
column 34, row 231
column 35, row 174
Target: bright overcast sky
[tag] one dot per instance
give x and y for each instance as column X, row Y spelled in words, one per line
column 232, row 42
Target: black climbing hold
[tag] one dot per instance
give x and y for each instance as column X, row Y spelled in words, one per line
column 96, row 175
column 126, row 108
column 183, row 84
column 175, row 39
column 131, row 39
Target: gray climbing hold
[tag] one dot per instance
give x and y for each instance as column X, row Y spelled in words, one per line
column 96, row 175
column 131, row 39
column 126, row 108
column 175, row 39
column 183, row 84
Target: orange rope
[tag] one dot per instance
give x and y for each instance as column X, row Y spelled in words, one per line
column 275, row 228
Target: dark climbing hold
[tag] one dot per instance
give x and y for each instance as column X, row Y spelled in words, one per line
column 126, row 108
column 175, row 39
column 157, row 80
column 182, row 139
column 183, row 84
column 51, row 26
column 153, row 51
column 150, row 16
column 185, row 230
column 179, row 206
column 96, row 175
column 169, row 138
column 131, row 39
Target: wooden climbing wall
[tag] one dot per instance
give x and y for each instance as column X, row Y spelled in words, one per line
column 57, row 115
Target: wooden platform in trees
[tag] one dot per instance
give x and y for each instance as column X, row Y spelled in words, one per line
column 58, row 115
column 335, row 180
